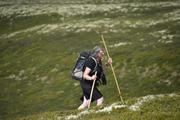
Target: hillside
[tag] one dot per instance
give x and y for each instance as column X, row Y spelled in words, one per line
column 39, row 44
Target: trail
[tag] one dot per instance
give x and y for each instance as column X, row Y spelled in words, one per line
column 134, row 107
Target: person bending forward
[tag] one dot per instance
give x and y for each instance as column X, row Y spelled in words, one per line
column 92, row 65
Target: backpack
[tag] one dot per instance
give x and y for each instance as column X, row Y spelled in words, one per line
column 78, row 70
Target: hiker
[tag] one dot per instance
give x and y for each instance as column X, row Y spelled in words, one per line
column 92, row 65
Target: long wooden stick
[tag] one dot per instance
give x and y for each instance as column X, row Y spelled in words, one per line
column 92, row 89
column 112, row 68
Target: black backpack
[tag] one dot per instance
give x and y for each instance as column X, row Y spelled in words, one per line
column 78, row 70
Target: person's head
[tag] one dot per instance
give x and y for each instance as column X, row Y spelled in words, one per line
column 98, row 52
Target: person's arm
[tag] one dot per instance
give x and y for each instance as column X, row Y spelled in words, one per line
column 109, row 61
column 86, row 74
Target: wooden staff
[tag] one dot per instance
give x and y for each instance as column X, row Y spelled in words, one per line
column 92, row 91
column 112, row 68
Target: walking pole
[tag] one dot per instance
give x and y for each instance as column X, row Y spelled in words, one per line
column 115, row 78
column 92, row 92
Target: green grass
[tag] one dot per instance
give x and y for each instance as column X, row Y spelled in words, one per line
column 159, row 108
column 35, row 68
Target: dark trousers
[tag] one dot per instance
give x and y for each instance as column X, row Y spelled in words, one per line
column 86, row 86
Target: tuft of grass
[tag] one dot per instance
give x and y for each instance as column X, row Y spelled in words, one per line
column 39, row 45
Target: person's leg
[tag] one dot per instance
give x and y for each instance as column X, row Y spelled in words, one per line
column 84, row 104
column 98, row 96
column 100, row 101
column 86, row 88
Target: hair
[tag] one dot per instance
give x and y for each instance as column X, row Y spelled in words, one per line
column 95, row 51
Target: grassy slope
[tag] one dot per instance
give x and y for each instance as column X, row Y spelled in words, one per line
column 164, row 108
column 35, row 68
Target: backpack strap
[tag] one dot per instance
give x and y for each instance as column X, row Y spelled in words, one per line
column 96, row 64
